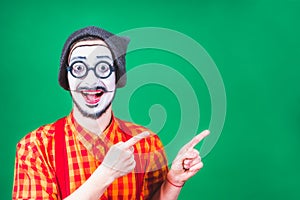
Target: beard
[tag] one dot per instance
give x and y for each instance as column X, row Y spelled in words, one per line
column 95, row 115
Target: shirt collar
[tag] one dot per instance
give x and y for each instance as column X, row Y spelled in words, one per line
column 93, row 142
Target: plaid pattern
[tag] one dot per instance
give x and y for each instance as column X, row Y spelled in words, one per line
column 35, row 161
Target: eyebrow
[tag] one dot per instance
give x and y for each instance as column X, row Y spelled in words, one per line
column 78, row 57
column 99, row 57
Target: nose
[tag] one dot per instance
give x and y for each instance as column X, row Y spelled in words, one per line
column 91, row 79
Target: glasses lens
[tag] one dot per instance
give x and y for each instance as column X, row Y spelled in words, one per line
column 78, row 69
column 103, row 69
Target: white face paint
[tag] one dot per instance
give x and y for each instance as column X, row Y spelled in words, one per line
column 91, row 95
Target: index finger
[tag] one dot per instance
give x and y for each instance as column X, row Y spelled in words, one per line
column 197, row 139
column 132, row 141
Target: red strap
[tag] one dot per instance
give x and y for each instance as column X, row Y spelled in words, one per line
column 61, row 159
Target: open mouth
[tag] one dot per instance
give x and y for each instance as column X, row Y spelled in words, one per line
column 92, row 97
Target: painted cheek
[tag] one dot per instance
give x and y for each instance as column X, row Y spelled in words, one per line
column 73, row 82
column 111, row 82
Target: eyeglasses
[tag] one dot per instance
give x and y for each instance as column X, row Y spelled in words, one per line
column 79, row 69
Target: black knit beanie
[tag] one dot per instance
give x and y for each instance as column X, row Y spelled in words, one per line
column 118, row 46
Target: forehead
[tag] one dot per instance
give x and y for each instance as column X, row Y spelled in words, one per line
column 90, row 46
column 89, row 43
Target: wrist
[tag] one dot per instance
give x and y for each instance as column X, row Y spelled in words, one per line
column 173, row 179
column 170, row 182
column 106, row 173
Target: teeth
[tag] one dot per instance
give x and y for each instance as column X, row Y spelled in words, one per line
column 87, row 93
column 92, row 93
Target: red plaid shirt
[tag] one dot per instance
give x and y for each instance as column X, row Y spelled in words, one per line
column 35, row 176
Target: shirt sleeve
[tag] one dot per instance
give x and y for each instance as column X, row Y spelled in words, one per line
column 157, row 168
column 34, row 176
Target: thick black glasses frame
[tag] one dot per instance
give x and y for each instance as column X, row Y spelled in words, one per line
column 70, row 69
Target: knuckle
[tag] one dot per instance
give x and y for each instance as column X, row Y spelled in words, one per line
column 201, row 164
column 195, row 151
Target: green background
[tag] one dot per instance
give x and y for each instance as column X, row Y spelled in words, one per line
column 255, row 45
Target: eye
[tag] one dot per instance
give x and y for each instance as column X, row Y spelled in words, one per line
column 78, row 68
column 103, row 69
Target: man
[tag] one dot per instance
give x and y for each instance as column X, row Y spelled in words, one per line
column 90, row 154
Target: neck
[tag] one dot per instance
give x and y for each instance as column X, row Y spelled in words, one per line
column 96, row 126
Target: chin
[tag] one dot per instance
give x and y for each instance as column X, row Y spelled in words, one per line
column 92, row 111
